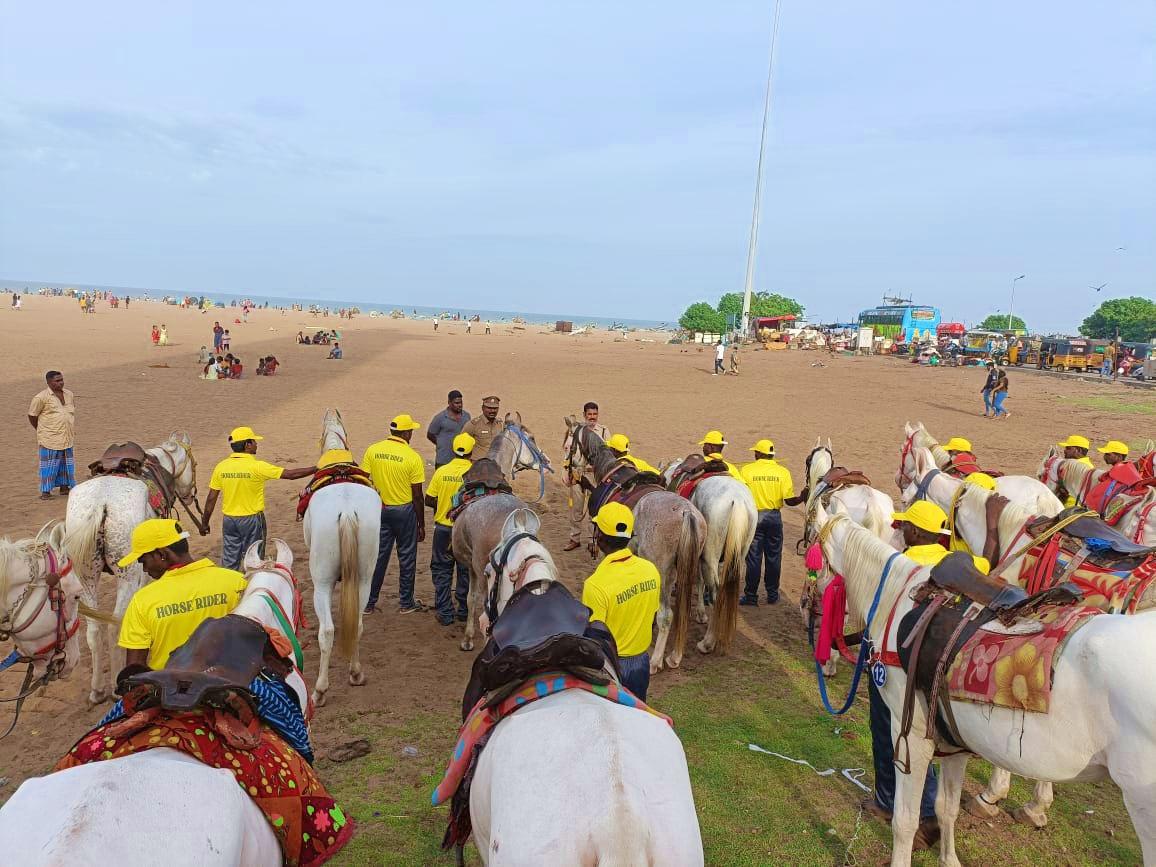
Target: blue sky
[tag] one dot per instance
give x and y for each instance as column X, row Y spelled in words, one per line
column 591, row 157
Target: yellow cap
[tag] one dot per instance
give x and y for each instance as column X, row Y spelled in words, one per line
column 152, row 535
column 464, row 444
column 1076, row 441
column 403, row 422
column 1114, row 447
column 712, row 438
column 614, row 519
column 957, row 444
column 982, row 480
column 925, row 515
column 242, row 433
column 619, row 442
column 764, row 447
column 335, row 456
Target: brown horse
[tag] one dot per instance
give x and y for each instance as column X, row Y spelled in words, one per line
column 669, row 532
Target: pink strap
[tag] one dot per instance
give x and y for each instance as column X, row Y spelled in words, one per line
column 834, row 611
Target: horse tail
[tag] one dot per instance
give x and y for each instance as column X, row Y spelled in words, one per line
column 686, row 557
column 82, row 541
column 349, row 558
column 732, row 574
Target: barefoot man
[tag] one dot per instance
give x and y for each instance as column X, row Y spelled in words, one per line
column 53, row 415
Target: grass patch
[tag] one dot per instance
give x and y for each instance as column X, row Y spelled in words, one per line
column 1106, row 403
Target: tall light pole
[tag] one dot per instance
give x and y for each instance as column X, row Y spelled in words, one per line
column 754, row 243
column 1011, row 303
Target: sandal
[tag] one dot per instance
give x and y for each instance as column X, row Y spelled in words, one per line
column 46, row 496
column 572, row 546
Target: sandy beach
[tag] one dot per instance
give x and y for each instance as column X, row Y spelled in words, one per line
column 662, row 396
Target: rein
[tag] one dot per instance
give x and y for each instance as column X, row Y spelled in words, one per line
column 498, row 567
column 539, row 457
column 176, row 471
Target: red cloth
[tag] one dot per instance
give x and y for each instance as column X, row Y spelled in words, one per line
column 834, row 610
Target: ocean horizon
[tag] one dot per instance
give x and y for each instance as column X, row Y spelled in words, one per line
column 411, row 311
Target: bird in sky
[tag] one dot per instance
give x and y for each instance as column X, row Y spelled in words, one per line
column 1098, row 288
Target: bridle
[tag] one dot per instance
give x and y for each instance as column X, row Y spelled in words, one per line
column 499, row 558
column 908, row 448
column 12, row 624
column 177, row 470
column 539, row 458
column 338, row 431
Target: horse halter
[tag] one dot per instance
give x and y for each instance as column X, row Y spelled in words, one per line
column 539, row 457
column 497, row 565
column 908, row 447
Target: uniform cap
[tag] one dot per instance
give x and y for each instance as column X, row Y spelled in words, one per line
column 492, row 400
column 764, row 447
column 1114, row 447
column 464, row 444
column 242, row 433
column 957, row 444
column 152, row 535
column 1076, row 441
column 615, row 519
column 925, row 515
column 712, row 438
column 619, row 443
column 403, row 422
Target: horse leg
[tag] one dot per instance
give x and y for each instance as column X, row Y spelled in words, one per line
column 700, row 614
column 985, row 805
column 663, row 620
column 322, row 601
column 708, row 579
column 92, row 633
column 951, row 773
column 474, row 606
column 909, row 794
column 1035, row 813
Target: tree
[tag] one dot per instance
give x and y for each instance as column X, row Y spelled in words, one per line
column 700, row 316
column 762, row 304
column 998, row 322
column 1135, row 317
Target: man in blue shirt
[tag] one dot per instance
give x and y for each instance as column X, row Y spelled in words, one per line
column 446, row 425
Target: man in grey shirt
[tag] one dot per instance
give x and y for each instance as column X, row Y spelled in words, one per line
column 446, row 425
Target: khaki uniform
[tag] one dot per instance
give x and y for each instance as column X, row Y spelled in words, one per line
column 483, row 433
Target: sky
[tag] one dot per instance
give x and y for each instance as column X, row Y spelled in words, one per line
column 594, row 157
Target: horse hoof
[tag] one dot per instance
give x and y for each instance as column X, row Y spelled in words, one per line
column 701, row 619
column 673, row 661
column 319, row 699
column 357, row 679
column 1038, row 820
column 705, row 648
column 980, row 808
column 97, row 697
column 655, row 667
column 468, row 645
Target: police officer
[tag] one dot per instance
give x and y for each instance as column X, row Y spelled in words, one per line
column 446, row 482
column 771, row 484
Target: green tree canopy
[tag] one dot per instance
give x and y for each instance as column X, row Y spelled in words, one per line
column 1135, row 317
column 998, row 322
column 762, row 304
column 701, row 316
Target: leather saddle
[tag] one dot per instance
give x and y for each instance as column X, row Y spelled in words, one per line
column 219, row 660
column 624, row 484
column 693, row 470
column 126, row 458
column 956, row 573
column 542, row 628
column 487, row 474
column 1107, row 547
column 841, row 477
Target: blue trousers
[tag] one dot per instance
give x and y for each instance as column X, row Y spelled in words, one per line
column 442, row 566
column 986, row 401
column 765, row 557
column 398, row 525
column 636, row 673
column 237, row 535
column 997, row 403
column 883, row 753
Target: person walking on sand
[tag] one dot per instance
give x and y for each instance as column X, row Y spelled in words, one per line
column 218, row 333
column 469, row 325
column 487, row 326
column 999, row 393
column 163, row 338
column 988, row 388
column 719, row 354
column 156, row 335
column 734, row 362
column 53, row 415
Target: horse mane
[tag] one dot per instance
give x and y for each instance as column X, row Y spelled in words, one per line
column 863, row 558
column 1013, row 517
column 594, row 450
column 10, row 551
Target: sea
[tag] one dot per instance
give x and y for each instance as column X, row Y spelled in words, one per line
column 334, row 302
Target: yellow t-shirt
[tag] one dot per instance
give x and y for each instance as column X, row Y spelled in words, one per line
column 640, row 465
column 731, row 468
column 770, row 483
column 929, row 555
column 446, row 481
column 241, row 480
column 394, row 467
column 161, row 616
column 624, row 593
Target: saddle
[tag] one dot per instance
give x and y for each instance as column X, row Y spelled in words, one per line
column 485, row 478
column 692, row 471
column 841, row 477
column 625, row 484
column 964, row 464
column 1105, row 546
column 213, row 668
column 331, row 475
column 123, row 458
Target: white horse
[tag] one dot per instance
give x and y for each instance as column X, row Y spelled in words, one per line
column 1077, row 478
column 99, row 520
column 37, row 611
column 1101, row 705
column 728, row 506
column 575, row 779
column 478, row 528
column 342, row 529
column 1020, row 490
column 1015, row 488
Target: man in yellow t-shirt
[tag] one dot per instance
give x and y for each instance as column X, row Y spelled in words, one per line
column 620, row 445
column 398, row 475
column 624, row 593
column 1075, row 449
column 771, row 484
column 240, row 480
column 712, row 449
column 446, row 481
column 161, row 616
column 1114, row 452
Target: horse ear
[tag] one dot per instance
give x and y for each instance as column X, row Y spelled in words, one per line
column 829, row 445
column 284, row 552
column 519, row 416
column 506, row 418
column 526, row 521
column 253, row 557
column 907, row 428
column 819, row 441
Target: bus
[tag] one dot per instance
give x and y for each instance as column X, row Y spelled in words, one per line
column 903, row 323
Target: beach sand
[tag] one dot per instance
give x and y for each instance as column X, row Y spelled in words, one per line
column 662, row 396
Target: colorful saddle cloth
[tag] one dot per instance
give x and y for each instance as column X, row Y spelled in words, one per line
column 307, row 822
column 964, row 464
column 1115, row 589
column 1015, row 670
column 331, row 475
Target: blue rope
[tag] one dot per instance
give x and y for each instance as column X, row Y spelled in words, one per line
column 863, row 648
column 924, row 484
column 10, row 660
column 539, row 456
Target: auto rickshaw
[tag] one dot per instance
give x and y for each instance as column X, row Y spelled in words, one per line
column 1023, row 350
column 1064, row 354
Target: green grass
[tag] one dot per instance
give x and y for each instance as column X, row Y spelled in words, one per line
column 1106, row 403
column 754, row 809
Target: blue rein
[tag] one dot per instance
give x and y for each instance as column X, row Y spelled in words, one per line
column 924, row 484
column 864, row 648
column 10, row 660
column 543, row 463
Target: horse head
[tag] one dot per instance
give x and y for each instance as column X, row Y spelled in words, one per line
column 268, row 553
column 333, row 434
column 593, row 450
column 179, row 448
column 528, row 455
column 819, row 463
column 922, row 462
column 517, row 560
column 1049, row 470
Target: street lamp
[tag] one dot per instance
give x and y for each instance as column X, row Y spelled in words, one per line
column 1012, row 302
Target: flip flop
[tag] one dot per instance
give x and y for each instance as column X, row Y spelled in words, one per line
column 46, row 496
column 572, row 546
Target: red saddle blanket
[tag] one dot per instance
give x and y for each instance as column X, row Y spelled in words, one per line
column 1118, row 491
column 1015, row 671
column 1114, row 590
column 964, row 464
column 686, row 489
column 307, row 822
column 327, row 476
